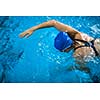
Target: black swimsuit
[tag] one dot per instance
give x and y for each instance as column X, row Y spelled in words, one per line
column 87, row 44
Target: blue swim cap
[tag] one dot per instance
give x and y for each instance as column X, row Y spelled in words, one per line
column 62, row 41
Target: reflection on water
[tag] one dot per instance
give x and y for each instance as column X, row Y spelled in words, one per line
column 35, row 59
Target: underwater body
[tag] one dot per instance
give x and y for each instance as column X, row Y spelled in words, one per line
column 35, row 59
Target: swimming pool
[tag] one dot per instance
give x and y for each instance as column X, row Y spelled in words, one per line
column 35, row 59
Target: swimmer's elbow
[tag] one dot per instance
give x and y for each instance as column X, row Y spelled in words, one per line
column 53, row 22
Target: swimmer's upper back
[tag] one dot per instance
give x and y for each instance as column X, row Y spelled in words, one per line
column 83, row 52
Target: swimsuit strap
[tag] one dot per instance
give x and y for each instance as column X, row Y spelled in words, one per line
column 92, row 42
column 87, row 44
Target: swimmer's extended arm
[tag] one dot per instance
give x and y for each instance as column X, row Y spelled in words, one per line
column 52, row 23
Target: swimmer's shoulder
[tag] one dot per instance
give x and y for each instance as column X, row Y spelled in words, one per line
column 83, row 36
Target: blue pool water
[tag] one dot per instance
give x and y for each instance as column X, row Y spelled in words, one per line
column 35, row 59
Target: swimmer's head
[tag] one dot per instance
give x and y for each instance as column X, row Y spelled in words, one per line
column 63, row 41
column 97, row 45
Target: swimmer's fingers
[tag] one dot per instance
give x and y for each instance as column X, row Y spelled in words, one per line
column 23, row 34
column 28, row 35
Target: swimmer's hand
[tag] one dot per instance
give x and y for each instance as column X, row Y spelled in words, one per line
column 26, row 33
